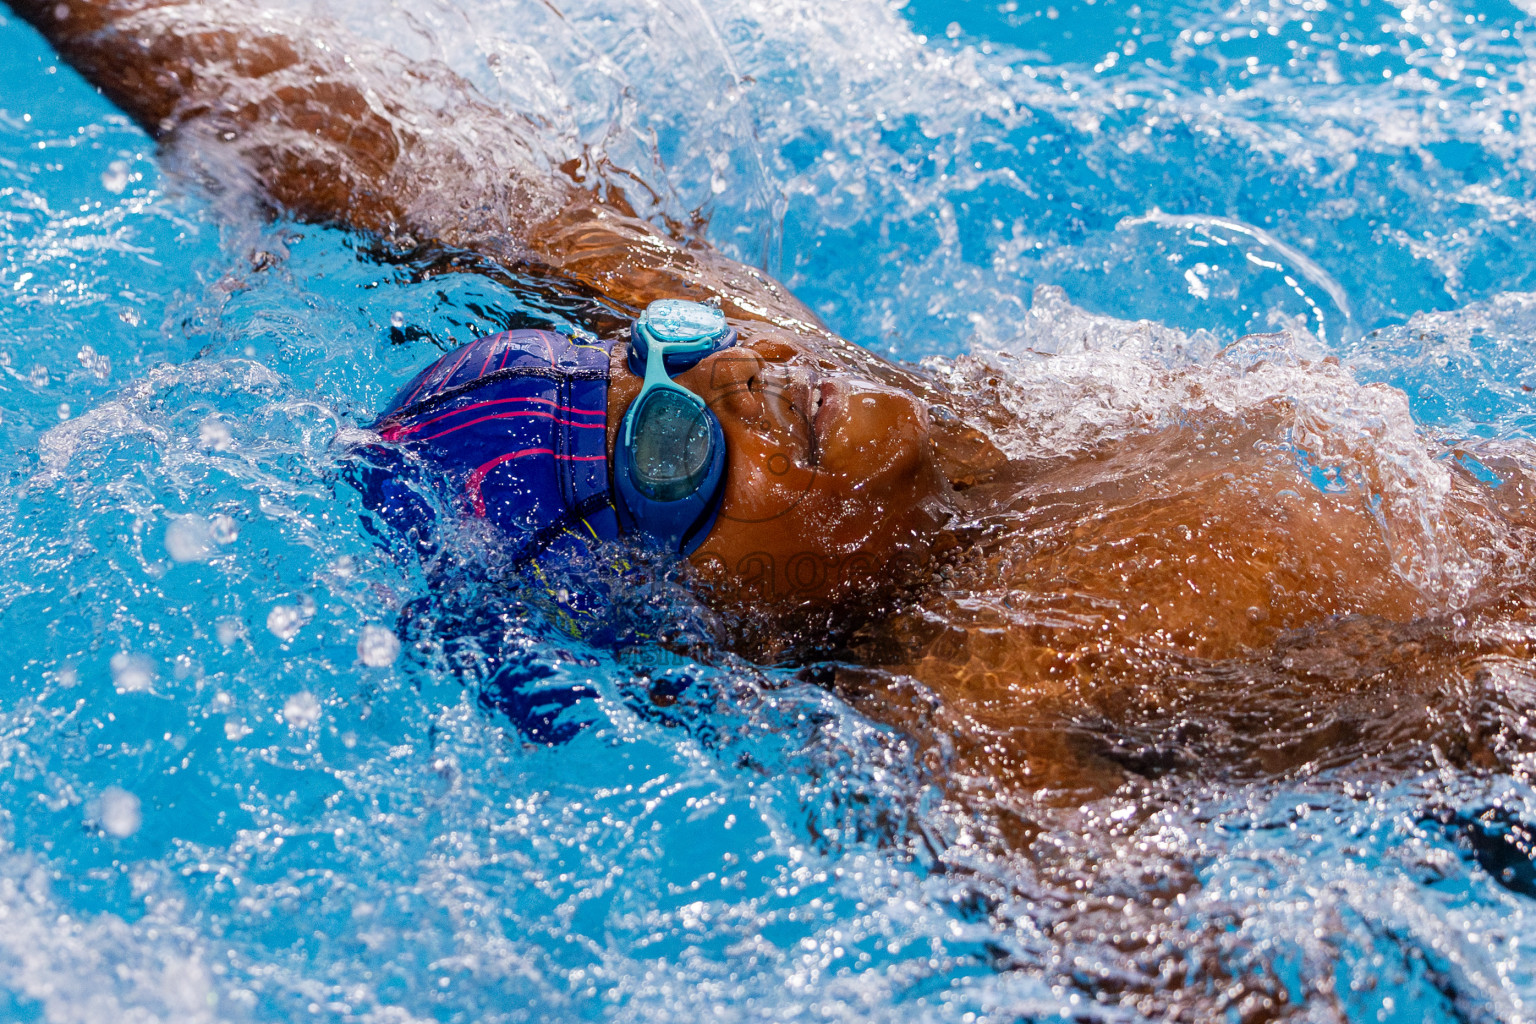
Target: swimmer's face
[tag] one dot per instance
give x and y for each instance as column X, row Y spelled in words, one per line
column 830, row 474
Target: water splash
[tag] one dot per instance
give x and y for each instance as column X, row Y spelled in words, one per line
column 716, row 840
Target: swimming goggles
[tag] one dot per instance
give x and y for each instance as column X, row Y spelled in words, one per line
column 669, row 462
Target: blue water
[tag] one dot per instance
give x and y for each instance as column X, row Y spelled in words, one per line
column 223, row 794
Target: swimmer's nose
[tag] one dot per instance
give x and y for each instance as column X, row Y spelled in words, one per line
column 729, row 380
column 738, row 380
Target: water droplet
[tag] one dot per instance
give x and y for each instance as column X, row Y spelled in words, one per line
column 196, row 538
column 115, row 178
column 230, row 631
column 120, row 812
column 132, row 673
column 285, row 620
column 301, row 710
column 212, row 433
column 223, row 529
column 378, row 647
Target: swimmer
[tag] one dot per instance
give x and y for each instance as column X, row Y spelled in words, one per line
column 1056, row 628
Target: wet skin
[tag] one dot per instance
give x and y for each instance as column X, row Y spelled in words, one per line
column 833, row 485
column 1024, row 578
column 1062, row 634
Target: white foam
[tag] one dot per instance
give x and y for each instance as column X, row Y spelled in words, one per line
column 120, row 812
column 378, row 647
column 301, row 710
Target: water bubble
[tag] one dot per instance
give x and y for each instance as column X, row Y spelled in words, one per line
column 230, row 631
column 397, row 319
column 285, row 620
column 378, row 647
column 212, row 433
column 302, row 710
column 63, row 410
column 120, row 812
column 132, row 673
column 39, row 376
column 115, row 178
column 194, row 538
column 67, row 676
column 235, row 728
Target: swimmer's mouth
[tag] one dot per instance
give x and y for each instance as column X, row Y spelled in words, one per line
column 820, row 405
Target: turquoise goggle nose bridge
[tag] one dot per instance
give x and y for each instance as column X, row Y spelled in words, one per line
column 669, row 461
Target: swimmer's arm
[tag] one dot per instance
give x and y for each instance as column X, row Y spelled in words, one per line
column 334, row 130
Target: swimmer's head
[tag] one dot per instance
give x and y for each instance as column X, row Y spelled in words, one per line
column 828, row 486
column 832, row 486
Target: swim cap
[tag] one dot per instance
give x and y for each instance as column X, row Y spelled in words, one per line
column 517, row 424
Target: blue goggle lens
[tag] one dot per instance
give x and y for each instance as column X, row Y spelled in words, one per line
column 672, row 443
column 669, row 465
column 680, row 320
column 690, row 331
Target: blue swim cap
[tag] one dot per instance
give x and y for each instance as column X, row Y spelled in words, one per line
column 516, row 424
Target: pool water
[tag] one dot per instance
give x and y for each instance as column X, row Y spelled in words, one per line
column 253, row 768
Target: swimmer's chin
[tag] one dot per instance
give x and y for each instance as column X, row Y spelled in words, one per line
column 768, row 613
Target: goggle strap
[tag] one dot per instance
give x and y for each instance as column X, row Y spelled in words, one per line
column 656, row 377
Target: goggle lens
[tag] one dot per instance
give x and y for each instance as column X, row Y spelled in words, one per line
column 680, row 320
column 669, row 468
column 671, row 447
